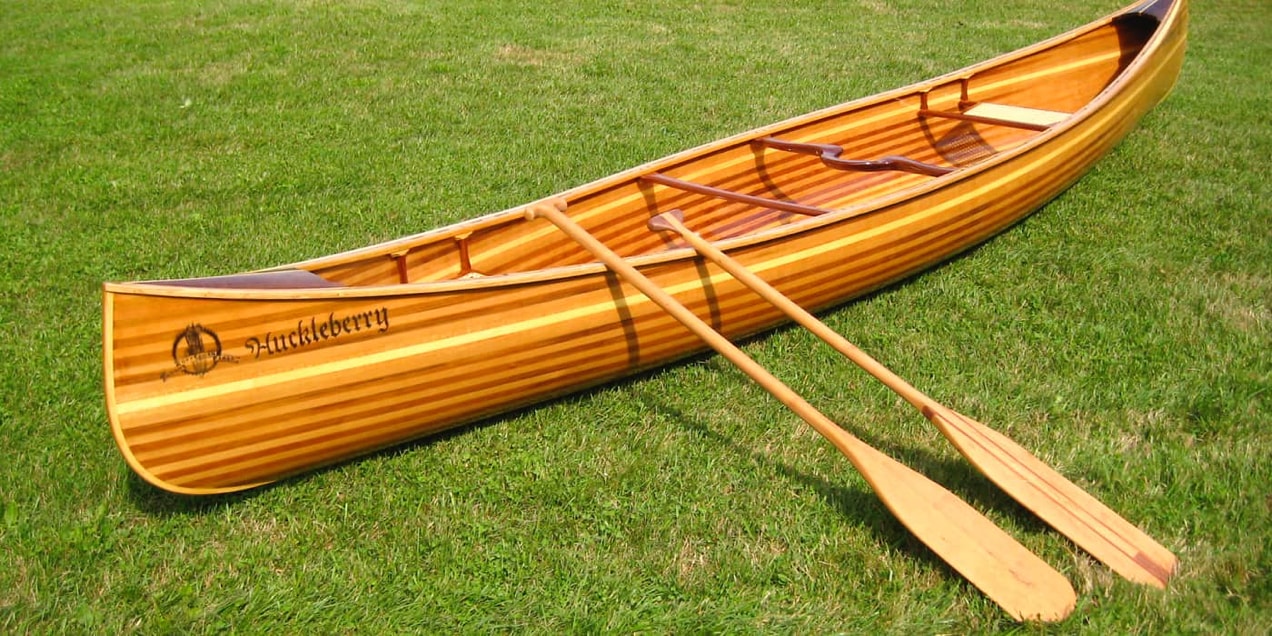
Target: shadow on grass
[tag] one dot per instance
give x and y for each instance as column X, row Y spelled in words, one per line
column 860, row 503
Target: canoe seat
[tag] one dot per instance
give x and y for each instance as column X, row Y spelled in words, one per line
column 1003, row 115
column 282, row 279
column 1017, row 114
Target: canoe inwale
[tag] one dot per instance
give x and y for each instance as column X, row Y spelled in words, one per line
column 222, row 384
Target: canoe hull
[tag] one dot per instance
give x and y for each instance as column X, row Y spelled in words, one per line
column 212, row 391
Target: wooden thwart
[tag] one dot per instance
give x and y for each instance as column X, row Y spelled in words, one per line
column 1007, row 572
column 829, row 155
column 1090, row 524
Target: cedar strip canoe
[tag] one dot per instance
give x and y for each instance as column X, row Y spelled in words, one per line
column 225, row 383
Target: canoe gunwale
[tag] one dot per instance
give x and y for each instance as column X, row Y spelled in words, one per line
column 1078, row 119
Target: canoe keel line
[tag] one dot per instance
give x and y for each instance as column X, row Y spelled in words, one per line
column 225, row 383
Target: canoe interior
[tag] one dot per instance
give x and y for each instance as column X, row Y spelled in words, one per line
column 926, row 124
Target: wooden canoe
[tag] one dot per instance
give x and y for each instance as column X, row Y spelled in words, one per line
column 225, row 383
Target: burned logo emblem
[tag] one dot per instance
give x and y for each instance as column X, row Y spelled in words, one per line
column 196, row 351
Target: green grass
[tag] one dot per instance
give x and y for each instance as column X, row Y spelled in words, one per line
column 1122, row 332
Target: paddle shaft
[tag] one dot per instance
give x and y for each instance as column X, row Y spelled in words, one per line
column 1008, row 573
column 1075, row 513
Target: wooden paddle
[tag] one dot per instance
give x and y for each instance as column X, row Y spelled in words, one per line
column 1007, row 572
column 1075, row 513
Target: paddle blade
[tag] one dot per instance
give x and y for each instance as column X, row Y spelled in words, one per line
column 1090, row 524
column 1025, row 586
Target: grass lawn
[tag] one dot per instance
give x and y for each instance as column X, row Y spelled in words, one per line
column 1122, row 333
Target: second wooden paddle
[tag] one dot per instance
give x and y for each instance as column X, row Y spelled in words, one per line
column 1090, row 524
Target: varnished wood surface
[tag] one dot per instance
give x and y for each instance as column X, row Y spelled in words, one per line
column 212, row 388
